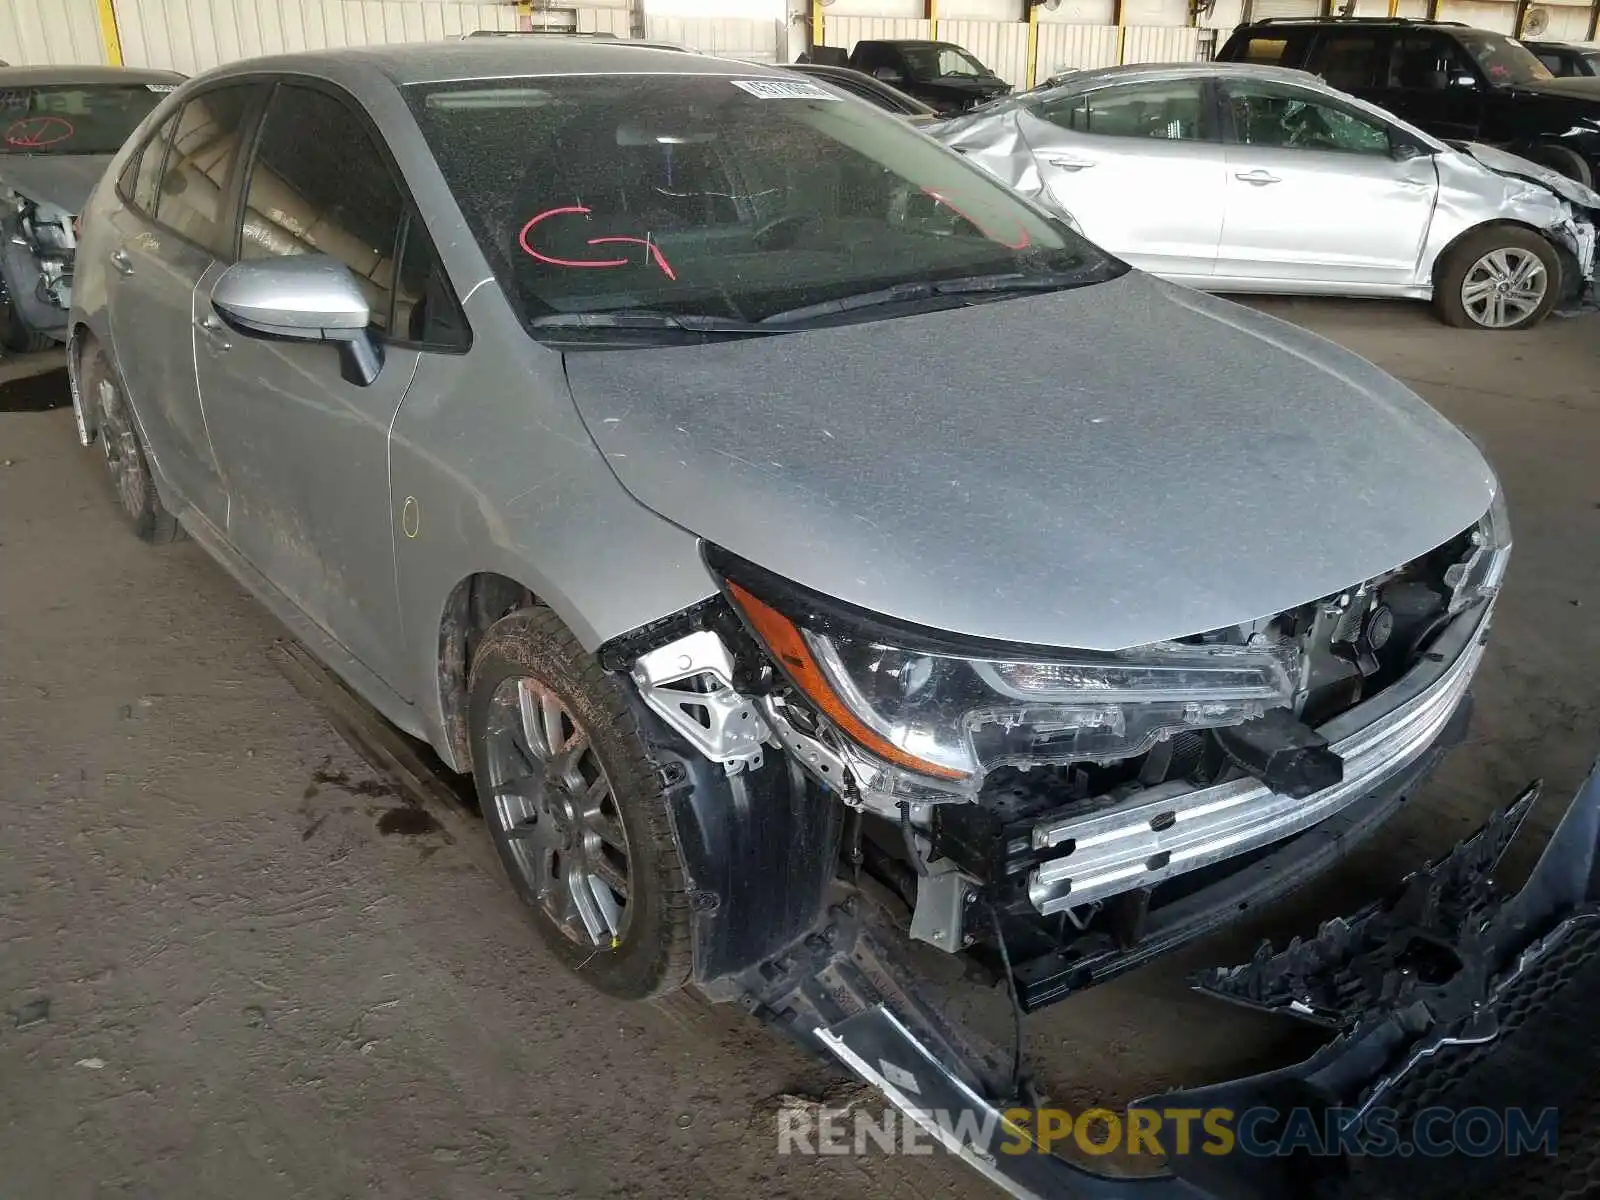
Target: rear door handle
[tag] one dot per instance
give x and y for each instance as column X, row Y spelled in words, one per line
column 1257, row 177
column 121, row 261
column 214, row 331
column 1067, row 163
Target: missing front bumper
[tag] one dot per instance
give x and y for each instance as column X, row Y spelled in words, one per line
column 1170, row 830
column 1501, row 1020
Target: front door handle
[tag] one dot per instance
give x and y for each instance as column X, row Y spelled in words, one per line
column 1070, row 164
column 1257, row 177
column 215, row 332
column 121, row 261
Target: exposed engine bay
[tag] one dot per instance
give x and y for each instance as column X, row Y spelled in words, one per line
column 1079, row 800
column 40, row 243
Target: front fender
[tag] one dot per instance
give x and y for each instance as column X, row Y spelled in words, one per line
column 492, row 471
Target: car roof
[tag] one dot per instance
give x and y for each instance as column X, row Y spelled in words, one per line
column 86, row 74
column 569, row 33
column 1353, row 22
column 1102, row 76
column 499, row 58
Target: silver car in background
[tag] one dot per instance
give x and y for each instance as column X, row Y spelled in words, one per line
column 1242, row 178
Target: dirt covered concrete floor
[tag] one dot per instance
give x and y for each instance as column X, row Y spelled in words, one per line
column 221, row 976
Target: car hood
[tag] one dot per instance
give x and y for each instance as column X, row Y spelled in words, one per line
column 1099, row 468
column 65, row 180
column 1502, row 162
column 1572, row 87
column 957, row 88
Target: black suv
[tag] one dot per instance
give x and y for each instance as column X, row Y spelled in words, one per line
column 1447, row 78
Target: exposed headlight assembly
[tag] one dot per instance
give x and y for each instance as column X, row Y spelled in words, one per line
column 1480, row 574
column 924, row 713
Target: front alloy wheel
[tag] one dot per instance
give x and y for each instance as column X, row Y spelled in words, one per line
column 555, row 806
column 1504, row 287
column 575, row 806
column 1500, row 277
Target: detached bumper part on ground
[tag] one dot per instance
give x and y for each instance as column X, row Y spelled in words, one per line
column 1450, row 993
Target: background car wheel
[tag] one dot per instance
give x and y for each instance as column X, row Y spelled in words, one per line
column 14, row 335
column 1565, row 160
column 1499, row 278
column 574, row 806
column 125, row 457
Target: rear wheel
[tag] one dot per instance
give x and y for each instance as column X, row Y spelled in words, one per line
column 1501, row 278
column 574, row 806
column 125, row 457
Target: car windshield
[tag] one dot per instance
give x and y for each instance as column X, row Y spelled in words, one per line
column 711, row 196
column 1501, row 59
column 73, row 118
column 937, row 62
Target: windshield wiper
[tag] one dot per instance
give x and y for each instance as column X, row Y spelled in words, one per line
column 915, row 291
column 648, row 320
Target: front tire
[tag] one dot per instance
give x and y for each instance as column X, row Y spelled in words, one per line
column 1564, row 161
column 126, row 461
column 1500, row 278
column 575, row 808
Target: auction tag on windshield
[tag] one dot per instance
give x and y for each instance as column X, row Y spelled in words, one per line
column 161, row 88
column 783, row 89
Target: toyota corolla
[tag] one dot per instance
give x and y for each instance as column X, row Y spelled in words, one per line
column 806, row 543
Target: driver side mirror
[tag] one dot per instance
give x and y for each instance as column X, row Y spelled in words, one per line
column 1464, row 81
column 302, row 298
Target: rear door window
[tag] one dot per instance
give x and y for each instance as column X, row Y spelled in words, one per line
column 1346, row 60
column 1268, row 49
column 1426, row 62
column 1172, row 110
column 141, row 182
column 195, row 183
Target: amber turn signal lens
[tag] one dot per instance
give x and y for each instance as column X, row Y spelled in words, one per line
column 790, row 649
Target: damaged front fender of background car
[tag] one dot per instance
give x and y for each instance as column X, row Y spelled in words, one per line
column 1523, row 192
column 996, row 142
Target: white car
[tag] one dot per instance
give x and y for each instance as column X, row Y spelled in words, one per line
column 1233, row 177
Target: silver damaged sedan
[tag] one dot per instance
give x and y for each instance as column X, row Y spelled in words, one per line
column 798, row 535
column 1239, row 178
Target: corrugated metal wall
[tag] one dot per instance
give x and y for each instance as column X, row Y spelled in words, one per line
column 1080, row 46
column 1160, row 44
column 1002, row 46
column 195, row 35
column 1567, row 22
column 605, row 20
column 1063, row 47
column 729, row 37
column 50, row 31
column 847, row 31
column 1484, row 14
